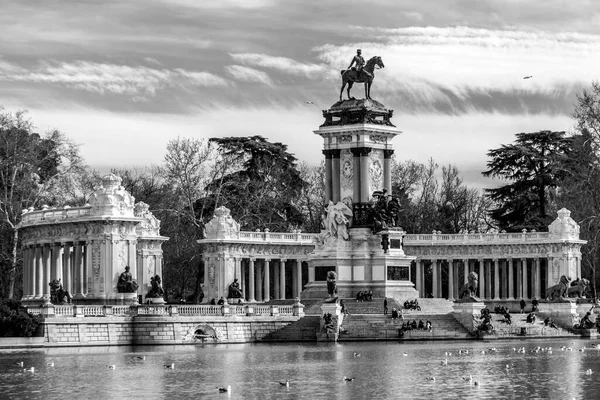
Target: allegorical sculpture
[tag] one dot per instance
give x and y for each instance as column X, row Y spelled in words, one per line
column 126, row 284
column 469, row 289
column 385, row 213
column 328, row 326
column 156, row 290
column 336, row 221
column 57, row 294
column 234, row 291
column 579, row 287
column 361, row 72
column 331, row 284
column 560, row 290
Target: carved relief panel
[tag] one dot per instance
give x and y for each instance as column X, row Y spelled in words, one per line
column 346, row 174
column 375, row 170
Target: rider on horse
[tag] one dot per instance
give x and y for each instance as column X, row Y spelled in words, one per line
column 360, row 63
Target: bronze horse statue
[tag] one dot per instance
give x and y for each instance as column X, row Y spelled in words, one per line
column 349, row 76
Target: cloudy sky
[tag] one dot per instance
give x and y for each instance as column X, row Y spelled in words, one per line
column 123, row 77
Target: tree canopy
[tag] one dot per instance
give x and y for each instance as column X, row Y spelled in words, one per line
column 534, row 165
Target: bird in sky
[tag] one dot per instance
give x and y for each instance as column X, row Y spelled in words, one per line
column 528, row 77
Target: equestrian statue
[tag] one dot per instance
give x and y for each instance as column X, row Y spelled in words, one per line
column 362, row 72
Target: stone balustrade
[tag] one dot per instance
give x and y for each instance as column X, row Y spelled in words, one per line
column 167, row 310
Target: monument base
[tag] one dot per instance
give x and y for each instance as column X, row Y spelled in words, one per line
column 468, row 313
column 564, row 313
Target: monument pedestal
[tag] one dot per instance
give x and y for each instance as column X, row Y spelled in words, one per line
column 468, row 313
column 563, row 313
column 330, row 334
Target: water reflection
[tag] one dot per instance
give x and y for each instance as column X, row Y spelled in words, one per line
column 315, row 371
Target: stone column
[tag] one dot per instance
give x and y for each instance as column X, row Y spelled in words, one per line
column 243, row 280
column 335, row 179
column 282, row 279
column 47, row 261
column 276, row 288
column 258, row 279
column 67, row 268
column 418, row 268
column 55, row 266
column 356, row 174
column 451, row 279
column 78, row 269
column 481, row 279
column 25, row 252
column 511, row 280
column 364, row 175
column 537, row 293
column 466, row 270
column 387, row 170
column 328, row 176
column 251, row 281
column 488, row 278
column 38, row 274
column 267, row 285
column 434, row 276
column 298, row 284
column 505, row 279
column 519, row 288
column 496, row 279
column 524, row 270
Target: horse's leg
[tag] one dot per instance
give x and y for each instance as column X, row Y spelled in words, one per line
column 342, row 89
column 350, row 83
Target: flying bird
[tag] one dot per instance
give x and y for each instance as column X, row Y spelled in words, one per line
column 528, row 77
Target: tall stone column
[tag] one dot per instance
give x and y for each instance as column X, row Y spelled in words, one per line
column 298, row 283
column 525, row 284
column 78, row 269
column 259, row 281
column 519, row 273
column 251, row 281
column 418, row 268
column 25, row 251
column 276, row 279
column 451, row 279
column 335, row 179
column 365, row 180
column 434, row 276
column 243, row 280
column 511, row 280
column 466, row 270
column 267, row 285
column 387, row 170
column 488, row 278
column 481, row 279
column 537, row 293
column 496, row 279
column 328, row 175
column 67, row 268
column 47, row 255
column 282, row 279
column 55, row 266
column 356, row 174
column 38, row 274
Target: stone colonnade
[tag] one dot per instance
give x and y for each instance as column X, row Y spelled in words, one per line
column 260, row 279
column 499, row 279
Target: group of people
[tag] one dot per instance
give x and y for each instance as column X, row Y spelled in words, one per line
column 397, row 314
column 364, row 296
column 414, row 326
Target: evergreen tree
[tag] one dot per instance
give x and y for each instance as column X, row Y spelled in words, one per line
column 534, row 166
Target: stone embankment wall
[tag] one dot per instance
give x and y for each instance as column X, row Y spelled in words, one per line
column 104, row 331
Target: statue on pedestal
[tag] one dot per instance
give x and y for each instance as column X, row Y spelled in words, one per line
column 469, row 289
column 234, row 290
column 57, row 294
column 126, row 284
column 385, row 212
column 362, row 72
column 560, row 290
column 328, row 323
column 156, row 290
column 331, row 284
column 579, row 287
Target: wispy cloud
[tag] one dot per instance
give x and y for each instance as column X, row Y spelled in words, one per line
column 246, row 74
column 111, row 78
column 283, row 64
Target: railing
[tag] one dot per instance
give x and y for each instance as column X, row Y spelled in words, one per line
column 166, row 310
column 286, row 237
column 55, row 214
column 428, row 239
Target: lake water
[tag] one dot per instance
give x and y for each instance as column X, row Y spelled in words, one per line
column 387, row 370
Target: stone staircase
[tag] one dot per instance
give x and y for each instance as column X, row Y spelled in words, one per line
column 305, row 329
column 520, row 327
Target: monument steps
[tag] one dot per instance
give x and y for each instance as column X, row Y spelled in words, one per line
column 305, row 329
column 519, row 325
column 428, row 306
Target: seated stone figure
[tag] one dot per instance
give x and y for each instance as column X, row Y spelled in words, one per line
column 57, row 294
column 156, row 290
column 328, row 323
column 234, row 290
column 126, row 284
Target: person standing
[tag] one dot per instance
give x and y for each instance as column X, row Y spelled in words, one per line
column 523, row 304
column 385, row 306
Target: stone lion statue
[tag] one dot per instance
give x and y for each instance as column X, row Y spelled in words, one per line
column 578, row 287
column 560, row 290
column 331, row 284
column 57, row 294
column 469, row 289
